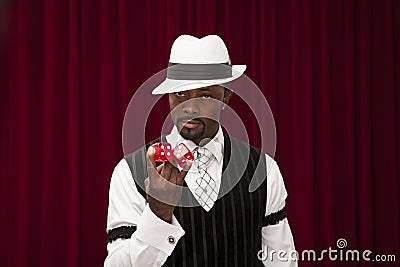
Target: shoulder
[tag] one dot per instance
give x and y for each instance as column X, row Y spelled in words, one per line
column 122, row 168
column 270, row 163
column 121, row 165
column 121, row 178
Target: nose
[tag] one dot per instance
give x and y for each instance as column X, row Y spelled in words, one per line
column 190, row 106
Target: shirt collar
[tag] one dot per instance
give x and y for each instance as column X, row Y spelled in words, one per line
column 216, row 145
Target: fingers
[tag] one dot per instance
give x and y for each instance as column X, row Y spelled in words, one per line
column 187, row 166
column 174, row 174
column 159, row 168
column 181, row 176
column 166, row 170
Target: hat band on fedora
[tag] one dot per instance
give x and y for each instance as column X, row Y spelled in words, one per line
column 178, row 71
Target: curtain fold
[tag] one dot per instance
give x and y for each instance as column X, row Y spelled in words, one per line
column 329, row 69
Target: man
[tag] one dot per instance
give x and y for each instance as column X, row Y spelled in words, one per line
column 204, row 213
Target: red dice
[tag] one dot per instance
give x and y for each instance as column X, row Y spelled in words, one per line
column 163, row 151
column 182, row 154
column 177, row 156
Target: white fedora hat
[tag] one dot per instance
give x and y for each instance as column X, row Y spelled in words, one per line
column 198, row 62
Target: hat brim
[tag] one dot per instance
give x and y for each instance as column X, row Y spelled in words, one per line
column 173, row 86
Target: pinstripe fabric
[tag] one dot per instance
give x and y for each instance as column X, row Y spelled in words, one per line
column 215, row 240
column 230, row 233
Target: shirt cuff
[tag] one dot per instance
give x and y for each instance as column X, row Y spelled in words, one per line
column 158, row 233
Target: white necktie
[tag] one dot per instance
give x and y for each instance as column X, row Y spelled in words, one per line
column 205, row 193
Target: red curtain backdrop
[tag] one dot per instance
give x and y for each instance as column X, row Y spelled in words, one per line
column 329, row 69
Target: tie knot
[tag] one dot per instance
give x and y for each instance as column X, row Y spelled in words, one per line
column 203, row 156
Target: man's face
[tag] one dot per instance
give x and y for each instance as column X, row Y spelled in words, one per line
column 196, row 112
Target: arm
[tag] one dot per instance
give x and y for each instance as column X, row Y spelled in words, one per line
column 277, row 237
column 150, row 244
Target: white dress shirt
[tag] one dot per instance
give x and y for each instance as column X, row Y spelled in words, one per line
column 150, row 244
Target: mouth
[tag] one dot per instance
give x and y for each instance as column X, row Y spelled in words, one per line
column 190, row 124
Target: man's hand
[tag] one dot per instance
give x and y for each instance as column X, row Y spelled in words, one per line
column 163, row 186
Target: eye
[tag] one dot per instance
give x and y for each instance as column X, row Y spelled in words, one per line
column 180, row 94
column 206, row 96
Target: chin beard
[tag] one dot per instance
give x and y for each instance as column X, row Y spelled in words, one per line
column 189, row 134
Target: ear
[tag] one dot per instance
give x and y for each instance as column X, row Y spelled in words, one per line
column 227, row 95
